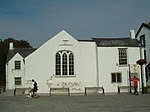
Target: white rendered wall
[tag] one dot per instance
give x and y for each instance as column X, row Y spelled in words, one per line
column 146, row 31
column 108, row 60
column 40, row 65
column 92, row 65
column 11, row 73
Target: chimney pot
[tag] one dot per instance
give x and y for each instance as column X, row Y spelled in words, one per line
column 11, row 46
column 132, row 34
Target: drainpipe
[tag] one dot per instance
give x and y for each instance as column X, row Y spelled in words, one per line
column 7, row 86
column 130, row 77
column 142, row 57
column 97, row 65
column 24, row 74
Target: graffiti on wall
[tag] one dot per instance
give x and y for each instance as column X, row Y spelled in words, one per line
column 49, row 81
column 72, row 85
column 29, row 82
column 75, row 86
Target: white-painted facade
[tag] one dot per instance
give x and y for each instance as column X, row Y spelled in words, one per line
column 11, row 73
column 144, row 31
column 93, row 65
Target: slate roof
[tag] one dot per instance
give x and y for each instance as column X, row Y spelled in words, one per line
column 114, row 42
column 24, row 52
column 101, row 42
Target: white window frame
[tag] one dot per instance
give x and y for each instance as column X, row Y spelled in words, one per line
column 18, row 81
column 17, row 65
column 116, row 77
column 123, row 57
column 64, row 63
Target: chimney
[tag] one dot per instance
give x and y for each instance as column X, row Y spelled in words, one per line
column 11, row 46
column 132, row 34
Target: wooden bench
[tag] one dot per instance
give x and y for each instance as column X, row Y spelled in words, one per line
column 19, row 91
column 125, row 87
column 94, row 88
column 59, row 90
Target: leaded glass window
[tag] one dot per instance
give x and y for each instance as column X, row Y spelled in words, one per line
column 122, row 56
column 64, row 63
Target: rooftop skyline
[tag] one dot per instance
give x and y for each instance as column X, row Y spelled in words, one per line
column 39, row 20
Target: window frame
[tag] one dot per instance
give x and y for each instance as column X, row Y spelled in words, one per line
column 17, row 65
column 57, row 64
column 18, row 82
column 64, row 63
column 71, row 64
column 116, row 77
column 123, row 57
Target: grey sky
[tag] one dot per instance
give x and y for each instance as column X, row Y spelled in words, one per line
column 39, row 20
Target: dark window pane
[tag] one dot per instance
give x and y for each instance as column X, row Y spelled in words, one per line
column 118, row 77
column 17, row 80
column 18, row 65
column 58, row 64
column 122, row 56
column 113, row 77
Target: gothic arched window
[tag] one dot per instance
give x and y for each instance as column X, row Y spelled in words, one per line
column 64, row 63
column 71, row 64
column 58, row 64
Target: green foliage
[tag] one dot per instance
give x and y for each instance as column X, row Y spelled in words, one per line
column 4, row 47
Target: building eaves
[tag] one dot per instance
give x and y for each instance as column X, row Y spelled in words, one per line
column 86, row 40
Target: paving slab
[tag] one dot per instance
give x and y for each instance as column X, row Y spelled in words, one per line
column 64, row 103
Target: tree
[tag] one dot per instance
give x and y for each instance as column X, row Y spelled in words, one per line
column 4, row 47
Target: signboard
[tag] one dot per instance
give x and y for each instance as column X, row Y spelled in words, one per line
column 134, row 68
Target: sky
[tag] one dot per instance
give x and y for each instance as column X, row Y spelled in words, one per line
column 37, row 21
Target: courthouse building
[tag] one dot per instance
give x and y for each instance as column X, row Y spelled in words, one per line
column 65, row 62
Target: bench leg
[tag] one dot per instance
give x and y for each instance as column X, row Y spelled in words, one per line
column 15, row 92
column 118, row 90
column 50, row 92
column 68, row 92
column 103, row 90
column 85, row 91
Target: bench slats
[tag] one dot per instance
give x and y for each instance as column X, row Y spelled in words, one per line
column 59, row 89
column 20, row 90
column 124, row 87
column 94, row 88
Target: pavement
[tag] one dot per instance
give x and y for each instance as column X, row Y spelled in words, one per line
column 123, row 102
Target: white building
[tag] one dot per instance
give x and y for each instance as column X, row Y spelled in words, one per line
column 64, row 61
column 143, row 35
